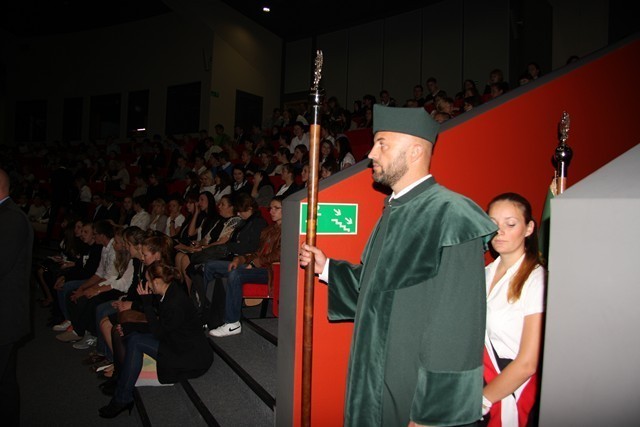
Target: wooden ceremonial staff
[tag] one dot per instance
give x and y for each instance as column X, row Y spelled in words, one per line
column 562, row 156
column 312, row 218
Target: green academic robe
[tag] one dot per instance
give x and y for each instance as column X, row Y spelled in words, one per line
column 418, row 300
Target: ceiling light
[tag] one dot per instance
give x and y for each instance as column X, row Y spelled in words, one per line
column 266, row 9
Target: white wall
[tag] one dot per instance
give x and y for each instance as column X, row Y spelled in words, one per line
column 592, row 315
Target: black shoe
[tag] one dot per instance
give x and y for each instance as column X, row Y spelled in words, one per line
column 113, row 409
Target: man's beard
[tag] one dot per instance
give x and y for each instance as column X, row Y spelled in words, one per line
column 396, row 170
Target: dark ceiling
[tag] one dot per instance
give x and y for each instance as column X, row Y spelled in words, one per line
column 290, row 19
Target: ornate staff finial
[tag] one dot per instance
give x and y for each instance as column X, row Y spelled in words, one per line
column 562, row 155
column 317, row 73
column 565, row 123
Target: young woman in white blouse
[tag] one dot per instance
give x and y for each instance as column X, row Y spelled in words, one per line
column 515, row 307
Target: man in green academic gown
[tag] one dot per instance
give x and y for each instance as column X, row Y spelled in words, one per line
column 418, row 298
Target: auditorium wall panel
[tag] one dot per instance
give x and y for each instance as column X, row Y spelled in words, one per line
column 364, row 73
column 402, row 55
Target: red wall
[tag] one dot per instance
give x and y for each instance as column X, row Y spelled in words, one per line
column 504, row 146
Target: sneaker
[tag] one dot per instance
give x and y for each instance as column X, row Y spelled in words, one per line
column 61, row 327
column 69, row 336
column 87, row 341
column 226, row 330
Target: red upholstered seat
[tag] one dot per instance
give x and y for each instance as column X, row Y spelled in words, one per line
column 266, row 215
column 261, row 290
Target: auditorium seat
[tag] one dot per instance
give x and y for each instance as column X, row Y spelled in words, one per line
column 261, row 291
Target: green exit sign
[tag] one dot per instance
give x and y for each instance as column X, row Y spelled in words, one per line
column 333, row 218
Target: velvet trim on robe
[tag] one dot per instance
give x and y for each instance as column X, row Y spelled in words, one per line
column 418, row 301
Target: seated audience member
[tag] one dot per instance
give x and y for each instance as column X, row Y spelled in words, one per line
column 193, row 184
column 83, row 199
column 133, row 238
column 328, row 168
column 126, row 211
column 157, row 159
column 118, row 179
column 139, row 159
column 40, row 214
column 515, row 307
column 367, row 121
column 299, row 136
column 441, row 117
column 80, row 268
column 220, row 136
column 218, row 233
column 175, row 219
column 221, row 184
column 190, row 202
column 199, row 165
column 284, row 141
column 71, row 250
column 69, row 291
column 37, row 208
column 175, row 339
column 289, row 177
column 445, row 105
column 247, row 162
column 262, row 190
column 283, row 156
column 267, row 165
column 524, row 78
column 300, row 156
column 534, row 70
column 181, row 170
column 247, row 267
column 113, row 209
column 343, row 149
column 141, row 218
column 158, row 216
column 499, row 89
column 225, row 160
column 200, row 222
column 141, row 187
column 156, row 189
column 206, row 182
column 304, row 175
column 471, row 102
column 240, row 183
column 495, row 76
column 326, row 151
column 82, row 311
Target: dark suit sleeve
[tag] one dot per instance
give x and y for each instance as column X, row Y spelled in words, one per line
column 344, row 289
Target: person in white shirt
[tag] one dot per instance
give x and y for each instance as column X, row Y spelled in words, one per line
column 141, row 218
column 515, row 305
column 299, row 136
column 176, row 219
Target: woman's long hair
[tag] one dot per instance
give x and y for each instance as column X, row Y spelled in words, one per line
column 531, row 254
column 122, row 256
column 158, row 242
column 345, row 147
